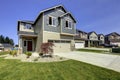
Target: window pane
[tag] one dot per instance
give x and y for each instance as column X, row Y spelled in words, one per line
column 70, row 25
column 50, row 20
column 66, row 23
column 24, row 43
column 28, row 26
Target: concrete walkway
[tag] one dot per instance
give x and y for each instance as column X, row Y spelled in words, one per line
column 102, row 60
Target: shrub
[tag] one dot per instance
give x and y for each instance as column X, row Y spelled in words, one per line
column 47, row 48
column 116, row 50
column 28, row 54
column 40, row 54
column 4, row 52
column 14, row 52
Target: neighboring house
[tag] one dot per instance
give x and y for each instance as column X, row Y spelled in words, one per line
column 5, row 47
column 52, row 25
column 93, row 40
column 80, row 39
column 101, row 37
column 112, row 38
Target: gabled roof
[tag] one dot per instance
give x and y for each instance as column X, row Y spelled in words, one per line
column 59, row 6
column 68, row 13
column 100, row 35
column 46, row 10
column 81, row 31
column 113, row 33
column 91, row 33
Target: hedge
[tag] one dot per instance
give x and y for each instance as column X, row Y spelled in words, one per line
column 116, row 50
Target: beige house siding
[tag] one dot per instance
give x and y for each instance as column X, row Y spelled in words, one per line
column 59, row 47
column 66, row 37
column 50, row 36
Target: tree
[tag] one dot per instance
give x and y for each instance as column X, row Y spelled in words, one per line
column 2, row 40
column 47, row 48
column 11, row 42
column 7, row 40
column 16, row 45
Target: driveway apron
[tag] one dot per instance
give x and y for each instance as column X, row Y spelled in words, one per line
column 103, row 60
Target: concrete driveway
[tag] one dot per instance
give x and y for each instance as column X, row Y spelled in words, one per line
column 102, row 60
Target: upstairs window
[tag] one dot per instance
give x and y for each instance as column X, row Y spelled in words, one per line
column 101, row 37
column 27, row 26
column 68, row 24
column 52, row 21
column 91, row 37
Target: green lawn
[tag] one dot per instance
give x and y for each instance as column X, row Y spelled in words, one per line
column 66, row 70
column 3, row 53
column 92, row 50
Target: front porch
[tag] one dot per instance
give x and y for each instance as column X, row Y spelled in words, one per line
column 27, row 43
column 92, row 43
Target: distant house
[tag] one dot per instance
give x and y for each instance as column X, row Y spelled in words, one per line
column 80, row 39
column 5, row 47
column 112, row 38
column 93, row 40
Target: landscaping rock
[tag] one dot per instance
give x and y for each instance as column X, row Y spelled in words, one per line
column 35, row 54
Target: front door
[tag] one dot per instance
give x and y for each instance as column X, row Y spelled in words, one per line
column 29, row 46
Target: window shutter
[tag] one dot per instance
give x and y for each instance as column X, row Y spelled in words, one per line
column 47, row 20
column 72, row 25
column 56, row 22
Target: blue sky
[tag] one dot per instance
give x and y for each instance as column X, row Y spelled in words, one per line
column 102, row 16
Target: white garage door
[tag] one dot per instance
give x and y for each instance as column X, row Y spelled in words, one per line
column 61, row 46
column 79, row 45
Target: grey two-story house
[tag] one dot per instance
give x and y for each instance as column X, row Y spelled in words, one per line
column 52, row 25
column 93, row 40
column 112, row 38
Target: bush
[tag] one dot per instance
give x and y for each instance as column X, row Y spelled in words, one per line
column 14, row 53
column 28, row 54
column 116, row 50
column 47, row 49
column 4, row 52
column 40, row 54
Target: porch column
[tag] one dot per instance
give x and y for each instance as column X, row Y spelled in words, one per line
column 88, row 43
column 20, row 45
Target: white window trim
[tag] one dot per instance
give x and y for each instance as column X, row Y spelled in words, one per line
column 68, row 24
column 52, row 21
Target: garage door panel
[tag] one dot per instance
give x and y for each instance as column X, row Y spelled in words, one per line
column 79, row 45
column 61, row 47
